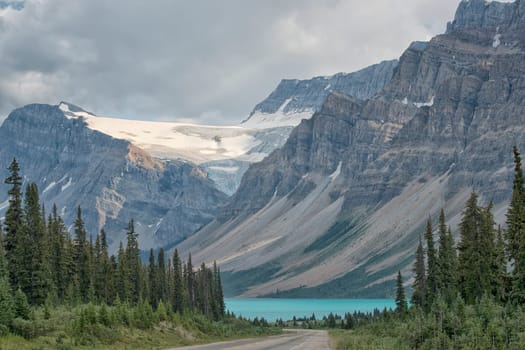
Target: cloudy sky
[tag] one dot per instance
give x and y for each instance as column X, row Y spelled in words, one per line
column 202, row 60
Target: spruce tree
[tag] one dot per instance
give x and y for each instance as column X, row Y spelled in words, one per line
column 447, row 264
column 401, row 302
column 516, row 212
column 170, row 285
column 500, row 268
column 220, row 294
column 152, row 278
column 7, row 311
column 487, row 265
column 107, row 273
column 470, row 252
column 419, row 287
column 432, row 267
column 57, row 257
column 13, row 222
column 161, row 276
column 134, row 264
column 36, row 254
column 190, row 283
column 81, row 258
column 515, row 233
column 122, row 278
column 178, row 294
column 3, row 262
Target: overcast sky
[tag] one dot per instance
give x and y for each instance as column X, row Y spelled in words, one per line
column 207, row 61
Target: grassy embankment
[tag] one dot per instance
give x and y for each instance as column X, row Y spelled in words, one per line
column 88, row 327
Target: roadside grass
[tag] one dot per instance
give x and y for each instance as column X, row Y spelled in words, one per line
column 363, row 339
column 58, row 329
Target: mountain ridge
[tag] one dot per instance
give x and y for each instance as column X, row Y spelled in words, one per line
column 442, row 127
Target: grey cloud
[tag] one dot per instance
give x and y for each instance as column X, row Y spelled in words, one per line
column 209, row 61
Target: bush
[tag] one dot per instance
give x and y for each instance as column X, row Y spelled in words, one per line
column 30, row 329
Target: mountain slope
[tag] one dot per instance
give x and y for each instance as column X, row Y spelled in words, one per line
column 338, row 209
column 112, row 180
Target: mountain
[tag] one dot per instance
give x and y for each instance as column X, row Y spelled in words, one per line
column 294, row 100
column 111, row 179
column 272, row 120
column 170, row 177
column 338, row 210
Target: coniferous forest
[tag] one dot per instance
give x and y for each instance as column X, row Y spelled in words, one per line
column 465, row 295
column 46, row 270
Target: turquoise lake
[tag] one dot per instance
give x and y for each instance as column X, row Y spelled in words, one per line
column 273, row 309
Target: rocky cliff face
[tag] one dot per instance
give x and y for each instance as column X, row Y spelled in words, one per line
column 338, row 209
column 112, row 180
column 294, row 100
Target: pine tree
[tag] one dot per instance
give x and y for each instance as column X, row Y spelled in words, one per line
column 499, row 289
column 59, row 256
column 473, row 273
column 7, row 311
column 161, row 276
column 487, row 265
column 37, row 252
column 432, row 267
column 419, row 286
column 178, row 294
column 22, row 308
column 122, row 278
column 516, row 212
column 401, row 302
column 13, row 222
column 190, row 283
column 220, row 294
column 217, row 293
column 3, row 262
column 106, row 270
column 515, row 233
column 81, row 258
column 134, row 263
column 152, row 277
column 446, row 261
column 170, row 285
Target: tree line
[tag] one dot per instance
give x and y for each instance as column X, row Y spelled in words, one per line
column 41, row 262
column 470, row 293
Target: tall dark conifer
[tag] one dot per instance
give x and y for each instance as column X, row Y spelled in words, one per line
column 516, row 212
column 3, row 262
column 515, row 233
column 36, row 253
column 447, row 261
column 13, row 222
column 401, row 301
column 190, row 283
column 162, row 286
column 500, row 286
column 469, row 254
column 122, row 275
column 432, row 267
column 419, row 287
column 82, row 258
column 152, row 278
column 488, row 266
column 57, row 236
column 134, row 263
column 178, row 294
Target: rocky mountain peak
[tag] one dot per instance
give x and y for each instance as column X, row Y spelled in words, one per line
column 483, row 14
